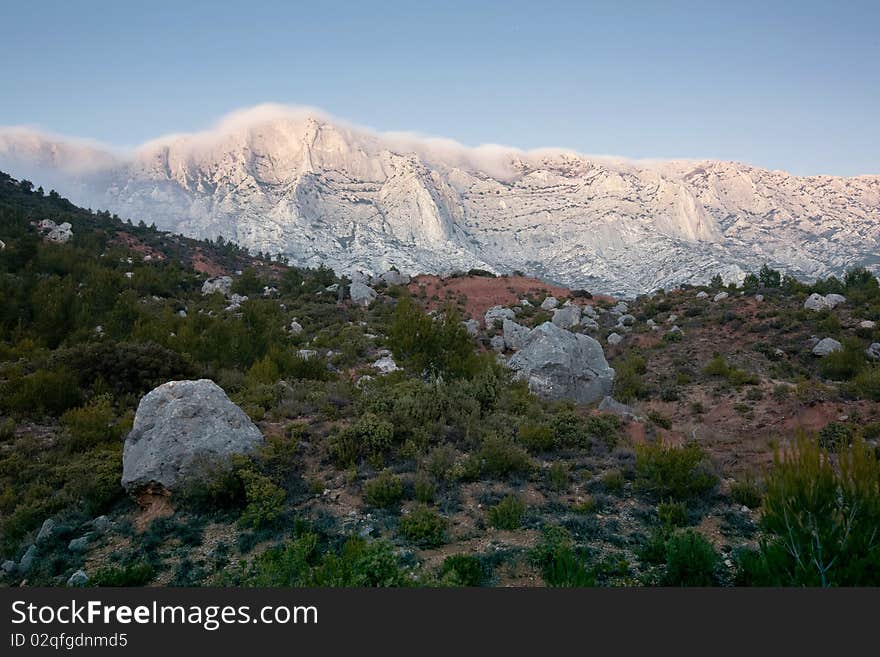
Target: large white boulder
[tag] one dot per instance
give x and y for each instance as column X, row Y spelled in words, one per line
column 559, row 364
column 567, row 317
column 361, row 294
column 826, row 346
column 180, row 428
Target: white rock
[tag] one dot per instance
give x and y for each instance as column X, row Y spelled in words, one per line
column 307, row 354
column 472, row 327
column 867, row 324
column 834, row 300
column 385, row 365
column 515, row 334
column 826, row 346
column 549, row 303
column 873, row 351
column 759, row 298
column 720, row 296
column 614, row 338
column 221, row 284
column 499, row 313
column 567, row 317
column 702, row 294
column 497, row 343
column 295, row 327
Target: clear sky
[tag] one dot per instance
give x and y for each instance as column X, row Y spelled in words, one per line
column 790, row 85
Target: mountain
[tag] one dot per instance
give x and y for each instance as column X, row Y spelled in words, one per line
column 317, row 190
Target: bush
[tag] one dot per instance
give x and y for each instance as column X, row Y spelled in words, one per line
column 821, row 520
column 681, row 473
column 747, row 492
column 866, row 384
column 423, row 527
column 265, row 500
column 558, row 476
column 836, row 435
column 500, row 457
column 628, row 384
column 424, row 488
column 384, row 491
column 690, row 560
column 672, row 514
column 508, row 513
column 462, row 570
column 535, row 437
column 134, row 574
column 367, row 436
column 91, row 425
column 561, row 565
column 44, row 391
column 844, row 364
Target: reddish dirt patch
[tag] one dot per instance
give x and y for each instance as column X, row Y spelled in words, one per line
column 477, row 294
column 205, row 265
column 134, row 244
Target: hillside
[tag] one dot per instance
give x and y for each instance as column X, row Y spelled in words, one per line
column 440, row 467
column 278, row 180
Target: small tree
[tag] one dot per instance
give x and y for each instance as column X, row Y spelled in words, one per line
column 769, row 277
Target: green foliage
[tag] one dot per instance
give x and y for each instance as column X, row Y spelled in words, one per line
column 690, row 560
column 369, row 436
column 132, row 574
column 43, row 391
column 499, row 457
column 672, row 514
column 681, row 473
column 462, row 570
column 769, row 277
column 439, row 346
column 301, row 562
column 508, row 513
column 836, row 435
column 560, row 563
column 558, row 476
column 747, row 492
column 265, row 500
column 719, row 368
column 844, row 364
column 384, row 491
column 536, row 437
column 91, row 425
column 866, row 384
column 423, row 526
column 424, row 488
column 628, row 383
column 820, row 519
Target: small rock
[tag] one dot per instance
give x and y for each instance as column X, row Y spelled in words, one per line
column 472, row 327
column 181, row 313
column 361, row 294
column 9, row 567
column 101, row 524
column 834, row 300
column 222, row 284
column 826, row 346
column 614, row 339
column 702, row 294
column 295, row 328
column 867, row 324
column 873, row 352
column 47, row 529
column 79, row 578
column 27, row 561
column 549, row 303
column 306, row 354
column 626, row 320
column 80, row 544
column 385, row 365
column 589, row 323
column 499, row 313
column 759, row 298
column 720, row 296
column 567, row 317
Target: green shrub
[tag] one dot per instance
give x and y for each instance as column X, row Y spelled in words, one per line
column 44, row 391
column 368, row 436
column 558, row 476
column 508, row 513
column 659, row 419
column 690, row 560
column 500, row 457
column 134, row 574
column 462, row 570
column 866, row 384
column 569, row 429
column 535, row 437
column 747, row 492
column 91, row 425
column 820, row 518
column 560, row 563
column 844, row 364
column 424, row 488
column 672, row 514
column 384, row 491
column 836, row 435
column 605, row 427
column 681, row 473
column 628, row 383
column 612, row 481
column 423, row 526
column 265, row 500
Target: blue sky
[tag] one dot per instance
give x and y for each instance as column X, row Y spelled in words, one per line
column 790, row 85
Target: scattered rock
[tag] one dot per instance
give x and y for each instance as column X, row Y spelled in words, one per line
column 497, row 343
column 675, row 329
column 101, row 524
column 614, row 338
column 306, row 354
column 652, row 324
column 181, row 313
column 559, row 364
column 589, row 323
column 525, row 303
column 9, row 567
column 867, row 324
column 53, row 232
column 590, row 312
column 472, row 327
column 385, row 365
column 873, row 351
column 702, row 294
column 499, row 313
column 79, row 578
column 269, row 291
column 759, row 298
column 27, row 561
column 515, row 335
column 361, row 294
column 47, row 530
column 611, row 405
column 549, row 303
column 235, row 301
column 721, row 296
column 826, row 346
column 567, row 317
column 817, row 302
column 621, row 308
column 394, row 277
column 181, row 427
column 295, row 327
column 80, row 544
column 626, row 320
column 221, row 284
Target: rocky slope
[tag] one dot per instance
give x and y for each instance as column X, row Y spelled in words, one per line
column 318, row 191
